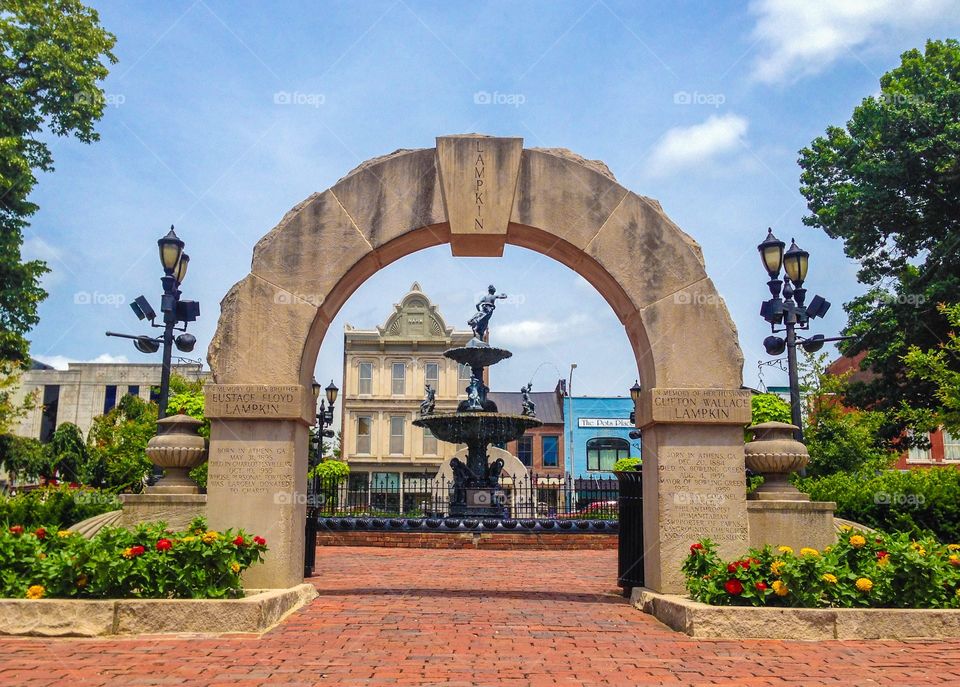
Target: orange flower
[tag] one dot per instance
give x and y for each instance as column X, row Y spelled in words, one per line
column 36, row 592
column 857, row 541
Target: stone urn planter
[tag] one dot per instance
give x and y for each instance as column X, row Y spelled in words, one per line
column 775, row 454
column 177, row 448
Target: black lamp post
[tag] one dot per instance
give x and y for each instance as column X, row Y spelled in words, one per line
column 635, row 397
column 175, row 312
column 324, row 420
column 786, row 307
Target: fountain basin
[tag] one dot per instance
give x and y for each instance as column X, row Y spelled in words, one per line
column 477, row 356
column 467, row 427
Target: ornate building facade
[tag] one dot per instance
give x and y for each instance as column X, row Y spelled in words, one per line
column 385, row 371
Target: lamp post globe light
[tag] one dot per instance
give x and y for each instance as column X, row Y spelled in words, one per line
column 324, row 420
column 175, row 312
column 787, row 308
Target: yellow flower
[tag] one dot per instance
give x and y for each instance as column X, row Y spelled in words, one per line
column 210, row 537
column 845, row 528
column 777, row 567
column 857, row 541
column 922, row 551
column 883, row 561
column 953, row 547
column 807, row 551
column 864, row 584
column 64, row 533
column 36, row 592
column 829, row 579
column 785, row 549
column 187, row 540
column 128, row 552
column 958, row 591
column 780, row 588
column 827, row 549
column 235, row 567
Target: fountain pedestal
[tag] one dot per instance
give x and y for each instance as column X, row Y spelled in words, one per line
column 476, row 485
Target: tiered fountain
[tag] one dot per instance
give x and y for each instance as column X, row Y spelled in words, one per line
column 477, row 423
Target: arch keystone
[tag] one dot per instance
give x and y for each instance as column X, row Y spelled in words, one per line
column 478, row 175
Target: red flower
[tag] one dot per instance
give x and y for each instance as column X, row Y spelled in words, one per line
column 881, row 554
column 74, row 485
column 239, row 541
column 136, row 551
column 732, row 568
column 733, row 587
column 164, row 544
column 760, row 586
column 40, row 533
column 260, row 540
column 16, row 529
column 745, row 564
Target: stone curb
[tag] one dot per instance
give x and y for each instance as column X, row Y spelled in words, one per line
column 739, row 622
column 256, row 613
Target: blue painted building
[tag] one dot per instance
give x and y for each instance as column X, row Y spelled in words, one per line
column 597, row 434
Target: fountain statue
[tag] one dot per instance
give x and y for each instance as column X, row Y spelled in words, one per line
column 477, row 422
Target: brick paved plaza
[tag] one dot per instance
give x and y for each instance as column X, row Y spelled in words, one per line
column 422, row 617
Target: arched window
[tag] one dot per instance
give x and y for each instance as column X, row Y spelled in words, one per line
column 603, row 452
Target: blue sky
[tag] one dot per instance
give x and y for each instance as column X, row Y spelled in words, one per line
column 223, row 115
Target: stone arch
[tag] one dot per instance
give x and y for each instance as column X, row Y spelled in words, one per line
column 551, row 201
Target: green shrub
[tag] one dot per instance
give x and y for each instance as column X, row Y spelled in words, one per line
column 917, row 502
column 863, row 569
column 55, row 507
column 149, row 562
column 627, row 465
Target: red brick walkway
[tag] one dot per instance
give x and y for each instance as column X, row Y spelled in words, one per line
column 422, row 617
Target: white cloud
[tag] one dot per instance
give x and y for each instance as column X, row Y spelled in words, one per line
column 61, row 362
column 694, row 145
column 534, row 333
column 802, row 37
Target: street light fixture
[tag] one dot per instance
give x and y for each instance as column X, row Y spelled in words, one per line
column 324, row 420
column 635, row 397
column 175, row 312
column 786, row 308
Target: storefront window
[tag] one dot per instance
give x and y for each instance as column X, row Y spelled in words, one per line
column 603, row 452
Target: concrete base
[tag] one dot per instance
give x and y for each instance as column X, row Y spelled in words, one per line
column 177, row 510
column 259, row 611
column 791, row 523
column 739, row 622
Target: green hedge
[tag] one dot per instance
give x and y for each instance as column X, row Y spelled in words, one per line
column 58, row 507
column 921, row 501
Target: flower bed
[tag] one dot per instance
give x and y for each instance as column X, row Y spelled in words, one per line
column 147, row 562
column 861, row 570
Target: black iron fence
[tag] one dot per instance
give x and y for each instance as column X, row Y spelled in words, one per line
column 537, row 497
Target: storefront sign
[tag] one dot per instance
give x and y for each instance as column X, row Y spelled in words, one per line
column 605, row 422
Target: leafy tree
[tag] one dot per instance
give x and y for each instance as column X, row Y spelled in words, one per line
column 839, row 439
column 53, row 54
column 10, row 408
column 24, row 458
column 939, row 367
column 118, row 441
column 69, row 455
column 888, row 186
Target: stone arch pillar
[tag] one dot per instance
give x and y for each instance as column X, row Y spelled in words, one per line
column 478, row 193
